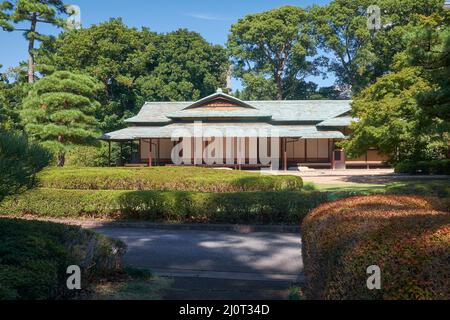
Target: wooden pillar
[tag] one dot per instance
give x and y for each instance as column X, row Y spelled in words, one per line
column 158, row 159
column 121, row 154
column 109, row 153
column 150, row 156
column 285, row 160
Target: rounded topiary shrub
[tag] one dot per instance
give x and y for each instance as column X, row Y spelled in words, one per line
column 407, row 237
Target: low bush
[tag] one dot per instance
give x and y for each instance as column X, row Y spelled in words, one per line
column 435, row 167
column 166, row 206
column 34, row 257
column 166, row 178
column 19, row 163
column 407, row 237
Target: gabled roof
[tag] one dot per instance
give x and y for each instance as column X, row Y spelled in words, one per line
column 219, row 95
column 280, row 111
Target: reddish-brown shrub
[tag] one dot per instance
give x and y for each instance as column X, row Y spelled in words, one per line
column 407, row 237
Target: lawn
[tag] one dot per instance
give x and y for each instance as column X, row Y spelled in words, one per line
column 430, row 187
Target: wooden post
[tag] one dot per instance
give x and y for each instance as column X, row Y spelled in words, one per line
column 121, row 154
column 285, row 154
column 109, row 153
column 150, row 160
column 158, row 161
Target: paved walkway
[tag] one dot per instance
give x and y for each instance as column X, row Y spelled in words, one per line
column 216, row 264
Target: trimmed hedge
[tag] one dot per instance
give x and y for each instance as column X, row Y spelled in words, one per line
column 439, row 167
column 407, row 237
column 166, row 206
column 166, row 178
column 34, row 257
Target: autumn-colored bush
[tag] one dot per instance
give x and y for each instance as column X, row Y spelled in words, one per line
column 408, row 237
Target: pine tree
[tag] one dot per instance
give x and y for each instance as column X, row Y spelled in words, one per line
column 60, row 112
column 32, row 12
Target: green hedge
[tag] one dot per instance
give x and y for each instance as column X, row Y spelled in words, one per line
column 166, row 206
column 166, row 178
column 407, row 237
column 424, row 167
column 34, row 257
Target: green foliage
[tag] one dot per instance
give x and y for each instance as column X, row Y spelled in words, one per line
column 281, row 207
column 362, row 55
column 35, row 256
column 270, row 50
column 137, row 66
column 14, row 13
column 19, row 163
column 391, row 120
column 430, row 49
column 59, row 112
column 166, row 178
column 11, row 96
column 424, row 167
column 342, row 239
column 89, row 156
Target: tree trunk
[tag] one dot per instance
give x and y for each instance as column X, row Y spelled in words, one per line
column 279, row 88
column 61, row 160
column 31, row 49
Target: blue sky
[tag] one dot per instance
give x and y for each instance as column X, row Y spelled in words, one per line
column 211, row 18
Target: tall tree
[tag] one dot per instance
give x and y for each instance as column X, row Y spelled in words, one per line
column 111, row 52
column 137, row 66
column 391, row 120
column 59, row 112
column 31, row 13
column 360, row 55
column 272, row 49
column 187, row 68
column 430, row 49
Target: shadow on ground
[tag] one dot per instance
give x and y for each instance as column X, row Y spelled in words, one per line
column 216, row 264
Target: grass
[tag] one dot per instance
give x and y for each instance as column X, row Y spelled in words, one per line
column 429, row 187
column 133, row 284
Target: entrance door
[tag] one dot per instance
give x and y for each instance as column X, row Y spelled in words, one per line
column 339, row 160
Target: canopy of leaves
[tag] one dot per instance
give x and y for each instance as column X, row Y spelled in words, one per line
column 41, row 11
column 60, row 111
column 137, row 65
column 270, row 50
column 430, row 49
column 392, row 121
column 19, row 162
column 361, row 55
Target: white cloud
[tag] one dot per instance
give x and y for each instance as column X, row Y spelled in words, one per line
column 206, row 16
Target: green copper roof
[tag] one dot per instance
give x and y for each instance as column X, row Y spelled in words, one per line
column 279, row 111
column 337, row 122
column 294, row 119
column 222, row 129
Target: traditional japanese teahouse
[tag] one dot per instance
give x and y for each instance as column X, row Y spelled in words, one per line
column 306, row 132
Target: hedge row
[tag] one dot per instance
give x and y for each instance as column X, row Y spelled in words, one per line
column 34, row 257
column 407, row 237
column 166, row 206
column 424, row 167
column 166, row 178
